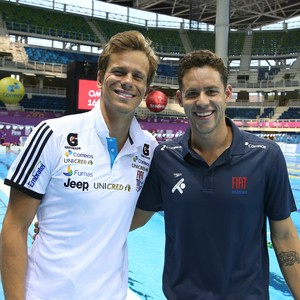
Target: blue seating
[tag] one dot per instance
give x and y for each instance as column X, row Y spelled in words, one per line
column 291, row 113
column 242, row 113
column 267, row 113
column 40, row 102
column 58, row 56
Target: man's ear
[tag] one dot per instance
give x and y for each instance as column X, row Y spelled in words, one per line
column 99, row 79
column 179, row 98
column 149, row 89
column 228, row 93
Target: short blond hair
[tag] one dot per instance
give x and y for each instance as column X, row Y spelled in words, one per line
column 129, row 40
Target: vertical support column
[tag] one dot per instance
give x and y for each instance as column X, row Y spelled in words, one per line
column 40, row 81
column 222, row 29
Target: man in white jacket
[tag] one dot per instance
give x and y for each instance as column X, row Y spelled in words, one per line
column 77, row 174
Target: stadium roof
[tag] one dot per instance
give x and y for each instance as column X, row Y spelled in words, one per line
column 243, row 13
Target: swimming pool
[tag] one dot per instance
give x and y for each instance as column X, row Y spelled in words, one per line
column 146, row 245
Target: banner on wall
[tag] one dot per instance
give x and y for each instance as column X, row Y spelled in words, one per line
column 88, row 94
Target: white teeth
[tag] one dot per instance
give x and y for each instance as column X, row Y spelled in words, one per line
column 125, row 95
column 204, row 114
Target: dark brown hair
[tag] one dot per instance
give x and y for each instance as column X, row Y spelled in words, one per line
column 199, row 59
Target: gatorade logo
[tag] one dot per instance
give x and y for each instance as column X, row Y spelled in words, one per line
column 146, row 149
column 72, row 139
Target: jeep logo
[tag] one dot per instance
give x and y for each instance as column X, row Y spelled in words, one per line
column 81, row 185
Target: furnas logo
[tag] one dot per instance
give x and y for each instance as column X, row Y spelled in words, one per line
column 80, row 185
column 239, row 185
column 69, row 171
column 39, row 168
column 76, row 172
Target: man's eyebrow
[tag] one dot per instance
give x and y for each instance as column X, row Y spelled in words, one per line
column 211, row 87
column 197, row 89
column 117, row 68
column 124, row 69
column 140, row 73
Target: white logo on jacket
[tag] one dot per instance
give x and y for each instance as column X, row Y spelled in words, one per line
column 179, row 186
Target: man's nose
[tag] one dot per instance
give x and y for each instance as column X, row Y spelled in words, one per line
column 127, row 81
column 202, row 99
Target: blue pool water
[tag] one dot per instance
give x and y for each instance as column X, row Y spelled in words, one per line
column 146, row 245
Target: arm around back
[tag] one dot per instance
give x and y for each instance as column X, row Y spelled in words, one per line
column 140, row 218
column 19, row 215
